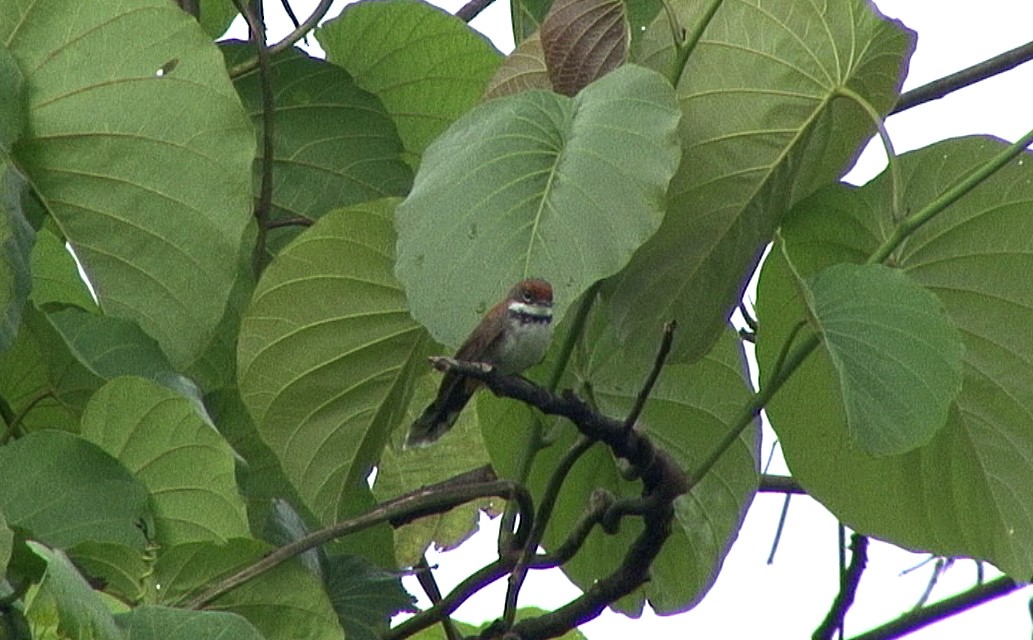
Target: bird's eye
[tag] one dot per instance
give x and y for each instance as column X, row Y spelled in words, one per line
column 526, row 295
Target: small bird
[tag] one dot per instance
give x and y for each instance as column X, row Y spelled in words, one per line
column 513, row 336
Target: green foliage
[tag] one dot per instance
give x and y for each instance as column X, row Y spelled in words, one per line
column 15, row 245
column 973, row 259
column 530, row 180
column 326, row 382
column 64, row 606
column 186, row 465
column 426, row 66
column 249, row 344
column 64, row 490
column 150, row 622
column 761, row 127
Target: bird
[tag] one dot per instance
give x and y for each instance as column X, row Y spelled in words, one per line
column 511, row 337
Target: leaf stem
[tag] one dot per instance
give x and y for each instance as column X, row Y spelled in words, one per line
column 887, row 145
column 910, row 224
column 685, row 41
column 792, row 362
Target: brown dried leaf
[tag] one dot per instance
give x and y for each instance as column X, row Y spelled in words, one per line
column 583, row 40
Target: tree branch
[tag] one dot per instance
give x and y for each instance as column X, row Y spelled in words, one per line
column 663, row 481
column 779, row 484
column 265, row 83
column 919, row 618
column 399, row 511
column 961, row 79
column 425, row 577
column 847, row 589
column 472, row 9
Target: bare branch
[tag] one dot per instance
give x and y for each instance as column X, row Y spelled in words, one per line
column 919, row 618
column 472, row 9
column 847, row 589
column 402, row 510
column 663, row 481
column 961, row 79
column 265, row 83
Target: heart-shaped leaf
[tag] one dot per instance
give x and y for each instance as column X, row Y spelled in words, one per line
column 536, row 184
column 896, row 354
column 328, row 353
column 956, row 495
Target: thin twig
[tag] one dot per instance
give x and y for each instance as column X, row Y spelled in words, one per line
column 403, row 510
column 770, row 483
column 848, row 589
column 961, row 79
column 658, row 365
column 473, row 583
column 296, row 221
column 425, row 577
column 541, row 520
column 288, row 42
column 290, row 13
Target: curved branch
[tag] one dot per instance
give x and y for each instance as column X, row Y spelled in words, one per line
column 403, row 510
column 663, row 481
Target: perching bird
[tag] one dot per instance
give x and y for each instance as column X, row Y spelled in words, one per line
column 513, row 336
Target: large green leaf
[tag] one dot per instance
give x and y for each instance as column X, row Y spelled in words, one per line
column 186, row 465
column 897, row 357
column 64, row 605
column 55, row 276
column 761, row 128
column 148, row 174
column 334, row 144
column 16, row 238
column 956, row 495
column 284, row 602
column 328, row 354
column 689, row 411
column 536, row 184
column 364, row 596
column 152, row 622
column 62, row 490
column 111, row 347
column 13, row 107
column 6, row 544
column 44, row 384
column 121, row 569
column 427, row 66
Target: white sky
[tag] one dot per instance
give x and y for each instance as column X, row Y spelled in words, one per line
column 789, row 598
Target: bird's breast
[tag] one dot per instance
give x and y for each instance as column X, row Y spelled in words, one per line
column 524, row 346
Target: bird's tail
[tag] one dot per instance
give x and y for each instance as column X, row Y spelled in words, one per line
column 441, row 414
